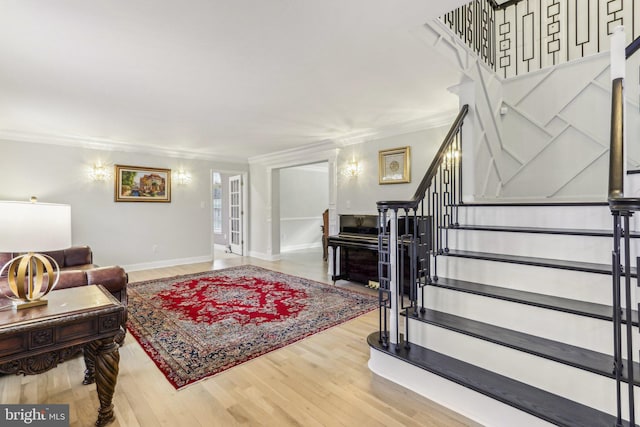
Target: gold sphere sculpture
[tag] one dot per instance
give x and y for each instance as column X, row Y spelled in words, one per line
column 30, row 277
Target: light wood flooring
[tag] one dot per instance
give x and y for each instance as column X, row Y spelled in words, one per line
column 322, row 380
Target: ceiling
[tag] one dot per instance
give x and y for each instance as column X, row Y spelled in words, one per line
column 219, row 79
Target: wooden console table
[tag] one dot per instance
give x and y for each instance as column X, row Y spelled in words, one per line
column 87, row 318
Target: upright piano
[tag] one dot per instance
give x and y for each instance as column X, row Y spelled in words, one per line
column 357, row 242
column 358, row 249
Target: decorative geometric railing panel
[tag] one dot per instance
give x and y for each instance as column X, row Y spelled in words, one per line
column 534, row 34
column 474, row 23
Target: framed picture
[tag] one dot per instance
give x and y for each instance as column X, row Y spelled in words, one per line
column 394, row 166
column 141, row 184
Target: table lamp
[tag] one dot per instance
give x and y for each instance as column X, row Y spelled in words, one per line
column 27, row 227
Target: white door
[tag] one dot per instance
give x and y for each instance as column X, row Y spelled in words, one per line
column 235, row 214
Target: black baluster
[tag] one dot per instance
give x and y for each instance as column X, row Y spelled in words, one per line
column 617, row 344
column 629, row 324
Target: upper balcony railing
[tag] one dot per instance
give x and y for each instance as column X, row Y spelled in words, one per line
column 514, row 37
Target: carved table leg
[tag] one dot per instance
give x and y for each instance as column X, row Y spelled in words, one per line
column 120, row 336
column 106, row 360
column 90, row 364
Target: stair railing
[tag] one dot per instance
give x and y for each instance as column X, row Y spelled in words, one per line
column 412, row 233
column 622, row 209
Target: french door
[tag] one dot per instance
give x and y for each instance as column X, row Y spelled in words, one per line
column 235, row 214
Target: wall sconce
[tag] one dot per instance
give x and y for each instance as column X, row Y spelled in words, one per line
column 451, row 156
column 99, row 172
column 352, row 169
column 182, row 177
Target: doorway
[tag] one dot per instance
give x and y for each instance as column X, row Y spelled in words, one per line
column 227, row 214
column 304, row 196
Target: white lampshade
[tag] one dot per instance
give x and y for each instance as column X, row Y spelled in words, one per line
column 34, row 227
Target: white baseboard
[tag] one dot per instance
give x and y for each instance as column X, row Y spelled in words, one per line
column 301, row 247
column 166, row 263
column 264, row 257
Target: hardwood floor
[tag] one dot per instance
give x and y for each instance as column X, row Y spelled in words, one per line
column 322, row 380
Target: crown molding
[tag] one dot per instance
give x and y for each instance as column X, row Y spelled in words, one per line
column 415, row 125
column 424, row 123
column 299, row 153
column 110, row 145
column 294, row 153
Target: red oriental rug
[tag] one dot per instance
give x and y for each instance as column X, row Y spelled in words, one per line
column 198, row 325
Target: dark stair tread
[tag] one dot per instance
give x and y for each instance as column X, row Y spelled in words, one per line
column 583, row 308
column 581, row 358
column 588, row 267
column 539, row 403
column 540, row 230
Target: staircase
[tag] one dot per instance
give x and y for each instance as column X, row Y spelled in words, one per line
column 521, row 314
column 518, row 314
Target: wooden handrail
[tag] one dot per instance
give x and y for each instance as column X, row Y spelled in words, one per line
column 632, row 48
column 433, row 168
column 496, row 6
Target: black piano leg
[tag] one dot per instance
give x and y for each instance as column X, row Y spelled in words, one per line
column 333, row 276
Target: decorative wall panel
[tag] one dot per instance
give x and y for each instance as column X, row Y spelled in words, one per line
column 542, row 135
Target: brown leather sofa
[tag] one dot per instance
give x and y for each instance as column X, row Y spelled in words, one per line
column 77, row 269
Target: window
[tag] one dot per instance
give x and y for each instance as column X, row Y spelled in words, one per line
column 217, row 203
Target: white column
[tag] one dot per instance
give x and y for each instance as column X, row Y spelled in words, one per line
column 617, row 53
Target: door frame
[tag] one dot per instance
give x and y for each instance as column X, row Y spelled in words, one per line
column 225, row 205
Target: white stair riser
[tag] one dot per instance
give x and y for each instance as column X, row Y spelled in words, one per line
column 554, row 246
column 632, row 185
column 581, row 331
column 586, row 217
column 473, row 405
column 589, row 287
column 595, row 390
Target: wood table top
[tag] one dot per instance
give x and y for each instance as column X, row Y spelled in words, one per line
column 63, row 303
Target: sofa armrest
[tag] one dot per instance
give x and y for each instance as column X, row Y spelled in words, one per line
column 113, row 278
column 70, row 279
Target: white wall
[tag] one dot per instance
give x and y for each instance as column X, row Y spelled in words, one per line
column 134, row 235
column 304, row 195
column 358, row 195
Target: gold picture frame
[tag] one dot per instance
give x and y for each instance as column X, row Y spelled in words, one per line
column 142, row 184
column 394, row 165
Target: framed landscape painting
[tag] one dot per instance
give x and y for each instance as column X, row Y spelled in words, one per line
column 142, row 184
